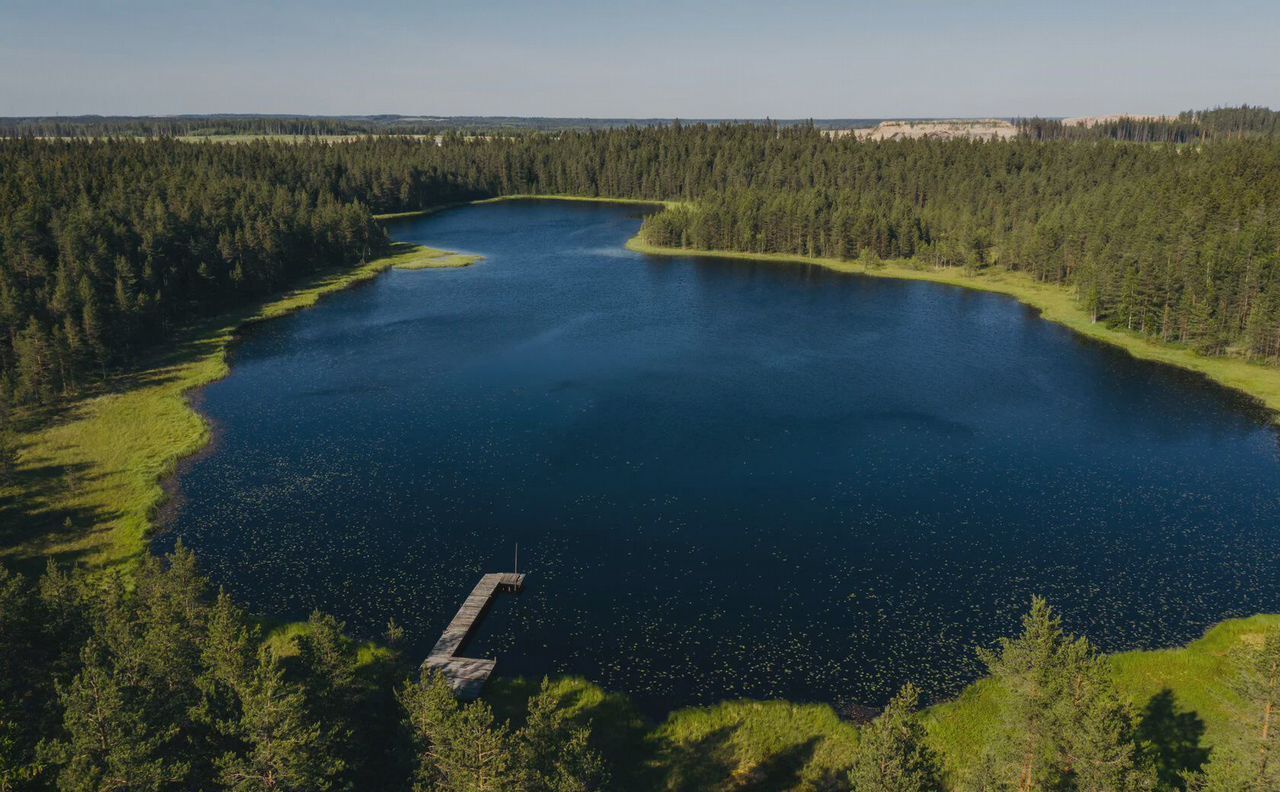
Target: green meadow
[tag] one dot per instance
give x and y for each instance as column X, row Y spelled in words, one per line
column 1183, row 699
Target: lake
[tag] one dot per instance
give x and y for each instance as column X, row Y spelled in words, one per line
column 726, row 478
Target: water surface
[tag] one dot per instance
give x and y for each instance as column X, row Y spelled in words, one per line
column 726, row 478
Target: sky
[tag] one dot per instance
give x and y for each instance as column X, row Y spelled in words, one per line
column 644, row 58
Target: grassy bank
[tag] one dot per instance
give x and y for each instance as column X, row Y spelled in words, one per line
column 521, row 197
column 88, row 473
column 382, row 218
column 430, row 258
column 1182, row 696
column 577, row 198
column 1055, row 303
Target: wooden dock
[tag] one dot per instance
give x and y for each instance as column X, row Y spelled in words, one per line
column 464, row 674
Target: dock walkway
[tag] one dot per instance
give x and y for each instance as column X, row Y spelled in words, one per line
column 464, row 674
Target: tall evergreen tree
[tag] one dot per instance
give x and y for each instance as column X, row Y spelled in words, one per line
column 458, row 747
column 1253, row 763
column 1063, row 722
column 285, row 748
column 552, row 753
column 892, row 752
column 111, row 741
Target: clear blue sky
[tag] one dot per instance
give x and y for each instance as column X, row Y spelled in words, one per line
column 726, row 58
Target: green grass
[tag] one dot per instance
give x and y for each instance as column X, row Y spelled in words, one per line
column 1189, row 687
column 430, row 210
column 88, row 473
column 578, row 198
column 776, row 745
column 734, row 745
column 1055, row 303
column 430, row 258
column 282, row 640
column 764, row 745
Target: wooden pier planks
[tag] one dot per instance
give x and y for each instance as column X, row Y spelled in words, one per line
column 464, row 674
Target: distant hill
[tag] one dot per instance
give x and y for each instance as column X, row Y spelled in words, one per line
column 1185, row 127
column 225, row 124
column 941, row 129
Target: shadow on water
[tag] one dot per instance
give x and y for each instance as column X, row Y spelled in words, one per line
column 1174, row 738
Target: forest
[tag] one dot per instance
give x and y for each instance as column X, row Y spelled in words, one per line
column 215, row 126
column 107, row 245
column 154, row 680
column 1191, row 126
column 163, row 683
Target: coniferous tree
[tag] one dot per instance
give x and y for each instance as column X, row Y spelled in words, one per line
column 458, row 748
column 1029, row 669
column 284, row 746
column 892, row 753
column 111, row 741
column 1099, row 734
column 1253, row 763
column 553, row 754
column 1064, row 724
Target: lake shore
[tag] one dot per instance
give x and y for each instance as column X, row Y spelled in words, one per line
column 89, row 473
column 1055, row 303
column 578, row 198
column 90, row 470
column 107, row 454
column 1189, row 685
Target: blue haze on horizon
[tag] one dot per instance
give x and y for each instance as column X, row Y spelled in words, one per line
column 720, row 59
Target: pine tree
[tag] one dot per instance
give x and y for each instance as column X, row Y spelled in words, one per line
column 17, row 771
column 284, row 745
column 110, row 743
column 1027, row 667
column 1253, row 763
column 552, row 753
column 1098, row 732
column 458, row 748
column 892, row 754
column 1063, row 721
column 227, row 667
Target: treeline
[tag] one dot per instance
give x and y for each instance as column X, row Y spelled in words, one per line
column 211, row 125
column 248, row 124
column 166, row 685
column 1182, row 245
column 106, row 245
column 1191, row 126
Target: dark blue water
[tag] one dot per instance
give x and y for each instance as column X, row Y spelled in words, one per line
column 726, row 478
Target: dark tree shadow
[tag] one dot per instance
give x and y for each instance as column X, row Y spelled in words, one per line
column 781, row 770
column 29, row 528
column 618, row 731
column 1173, row 738
column 701, row 764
